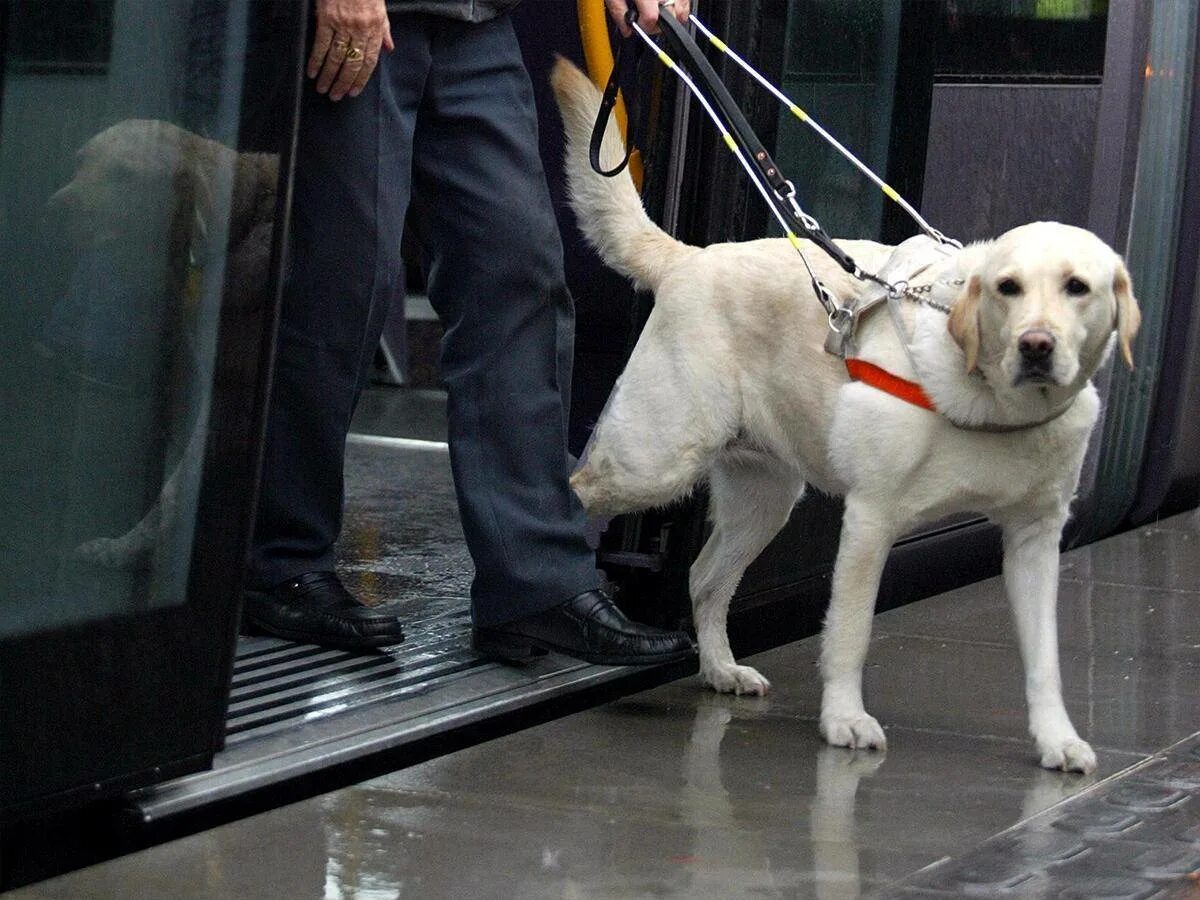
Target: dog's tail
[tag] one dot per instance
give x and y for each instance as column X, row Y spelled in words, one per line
column 609, row 210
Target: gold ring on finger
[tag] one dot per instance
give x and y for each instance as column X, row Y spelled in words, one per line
column 354, row 54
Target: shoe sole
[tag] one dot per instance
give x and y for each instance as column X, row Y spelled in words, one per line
column 364, row 643
column 511, row 648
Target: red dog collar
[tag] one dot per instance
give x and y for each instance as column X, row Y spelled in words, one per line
column 908, row 391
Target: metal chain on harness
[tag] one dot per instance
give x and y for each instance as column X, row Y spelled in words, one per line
column 778, row 192
column 920, row 294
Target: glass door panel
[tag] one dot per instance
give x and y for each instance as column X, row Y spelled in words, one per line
column 116, row 187
column 138, row 250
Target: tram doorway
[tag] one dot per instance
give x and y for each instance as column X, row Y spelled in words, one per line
column 133, row 682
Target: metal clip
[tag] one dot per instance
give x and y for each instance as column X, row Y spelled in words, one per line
column 809, row 222
column 942, row 239
column 825, row 298
column 843, row 322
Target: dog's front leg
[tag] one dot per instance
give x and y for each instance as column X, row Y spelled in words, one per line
column 135, row 548
column 867, row 535
column 1031, row 582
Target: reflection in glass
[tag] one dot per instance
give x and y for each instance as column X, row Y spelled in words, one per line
column 123, row 209
column 1046, row 40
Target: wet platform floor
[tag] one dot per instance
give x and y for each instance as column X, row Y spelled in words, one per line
column 678, row 792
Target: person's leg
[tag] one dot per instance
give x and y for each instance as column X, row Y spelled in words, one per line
column 353, row 171
column 497, row 282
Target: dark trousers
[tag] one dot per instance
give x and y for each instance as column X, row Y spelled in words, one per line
column 447, row 118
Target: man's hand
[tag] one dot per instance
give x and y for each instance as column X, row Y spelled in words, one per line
column 346, row 48
column 647, row 14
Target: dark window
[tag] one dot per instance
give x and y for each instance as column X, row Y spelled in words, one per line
column 72, row 36
column 834, row 40
column 1021, row 40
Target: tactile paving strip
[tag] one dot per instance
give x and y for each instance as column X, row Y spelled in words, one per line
column 1136, row 835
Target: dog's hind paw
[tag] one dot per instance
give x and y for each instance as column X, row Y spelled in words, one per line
column 1072, row 755
column 735, row 679
column 858, row 732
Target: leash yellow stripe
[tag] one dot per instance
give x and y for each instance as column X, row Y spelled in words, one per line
column 888, row 191
column 730, row 142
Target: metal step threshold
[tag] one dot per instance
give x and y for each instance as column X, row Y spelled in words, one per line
column 297, row 709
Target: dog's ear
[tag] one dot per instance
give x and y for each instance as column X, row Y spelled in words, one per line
column 193, row 198
column 194, row 172
column 964, row 321
column 1128, row 316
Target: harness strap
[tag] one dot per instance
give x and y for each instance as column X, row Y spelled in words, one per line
column 607, row 102
column 883, row 380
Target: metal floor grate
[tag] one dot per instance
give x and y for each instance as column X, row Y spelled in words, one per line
column 279, row 685
column 296, row 709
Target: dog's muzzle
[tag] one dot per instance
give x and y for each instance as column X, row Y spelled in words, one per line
column 1036, row 347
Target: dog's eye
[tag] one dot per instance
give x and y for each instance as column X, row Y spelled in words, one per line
column 1008, row 287
column 1077, row 287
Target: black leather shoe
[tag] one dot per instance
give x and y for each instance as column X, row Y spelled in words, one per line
column 315, row 608
column 587, row 627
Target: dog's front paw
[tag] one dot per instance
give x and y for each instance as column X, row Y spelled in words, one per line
column 735, row 679
column 1071, row 755
column 857, row 731
column 114, row 553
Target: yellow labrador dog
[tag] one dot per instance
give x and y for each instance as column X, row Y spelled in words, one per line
column 730, row 382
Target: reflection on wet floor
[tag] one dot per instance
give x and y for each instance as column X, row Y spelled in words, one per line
column 679, row 792
column 401, row 536
column 417, row 413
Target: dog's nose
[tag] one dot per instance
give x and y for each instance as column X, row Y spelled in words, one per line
column 1036, row 345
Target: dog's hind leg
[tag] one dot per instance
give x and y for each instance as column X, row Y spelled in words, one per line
column 752, row 495
column 867, row 536
column 663, row 427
